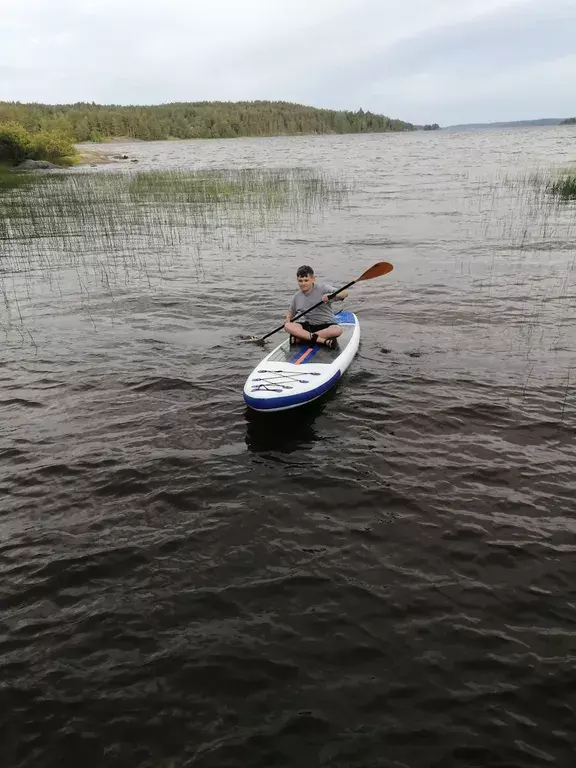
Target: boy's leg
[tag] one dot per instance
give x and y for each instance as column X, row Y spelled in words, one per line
column 298, row 331
column 332, row 332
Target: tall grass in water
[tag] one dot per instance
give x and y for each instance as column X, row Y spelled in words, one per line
column 530, row 211
column 564, row 187
column 527, row 263
column 101, row 206
column 112, row 222
column 11, row 180
column 548, row 188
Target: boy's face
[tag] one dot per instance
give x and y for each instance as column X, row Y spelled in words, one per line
column 306, row 282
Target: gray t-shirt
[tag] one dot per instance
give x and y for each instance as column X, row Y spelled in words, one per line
column 322, row 314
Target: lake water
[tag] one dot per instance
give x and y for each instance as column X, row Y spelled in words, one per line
column 382, row 579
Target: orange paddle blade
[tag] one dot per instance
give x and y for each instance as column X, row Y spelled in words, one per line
column 376, row 270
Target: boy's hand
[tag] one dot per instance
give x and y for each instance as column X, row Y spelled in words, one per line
column 325, row 298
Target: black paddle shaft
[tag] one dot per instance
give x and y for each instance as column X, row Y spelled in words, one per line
column 330, row 297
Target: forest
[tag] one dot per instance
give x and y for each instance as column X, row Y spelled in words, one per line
column 193, row 120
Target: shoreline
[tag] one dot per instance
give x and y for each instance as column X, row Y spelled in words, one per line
column 97, row 154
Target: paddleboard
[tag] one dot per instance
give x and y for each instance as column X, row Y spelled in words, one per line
column 295, row 374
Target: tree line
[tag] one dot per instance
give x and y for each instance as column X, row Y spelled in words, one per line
column 193, row 120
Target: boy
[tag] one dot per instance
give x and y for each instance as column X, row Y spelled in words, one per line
column 320, row 326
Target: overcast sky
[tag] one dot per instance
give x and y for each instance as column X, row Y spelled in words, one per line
column 445, row 61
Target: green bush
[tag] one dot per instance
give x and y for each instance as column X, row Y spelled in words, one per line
column 18, row 144
column 50, row 145
column 15, row 142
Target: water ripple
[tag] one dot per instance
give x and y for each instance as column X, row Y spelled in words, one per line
column 381, row 578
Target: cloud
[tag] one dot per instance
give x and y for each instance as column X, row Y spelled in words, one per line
column 534, row 32
column 513, row 63
column 416, row 60
column 518, row 93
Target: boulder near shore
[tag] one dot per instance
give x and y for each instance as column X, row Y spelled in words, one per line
column 35, row 165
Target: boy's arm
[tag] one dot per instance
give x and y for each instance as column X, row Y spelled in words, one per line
column 330, row 289
column 291, row 312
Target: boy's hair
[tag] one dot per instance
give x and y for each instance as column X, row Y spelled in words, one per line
column 305, row 271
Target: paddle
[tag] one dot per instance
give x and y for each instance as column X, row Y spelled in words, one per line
column 376, row 270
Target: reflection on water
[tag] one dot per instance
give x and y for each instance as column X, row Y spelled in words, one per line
column 287, row 431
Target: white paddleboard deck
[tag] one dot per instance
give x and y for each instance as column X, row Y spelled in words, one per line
column 292, row 375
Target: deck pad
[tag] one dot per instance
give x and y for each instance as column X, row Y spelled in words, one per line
column 291, row 353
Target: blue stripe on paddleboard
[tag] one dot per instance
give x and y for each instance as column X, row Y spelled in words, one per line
column 301, row 351
column 267, row 403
